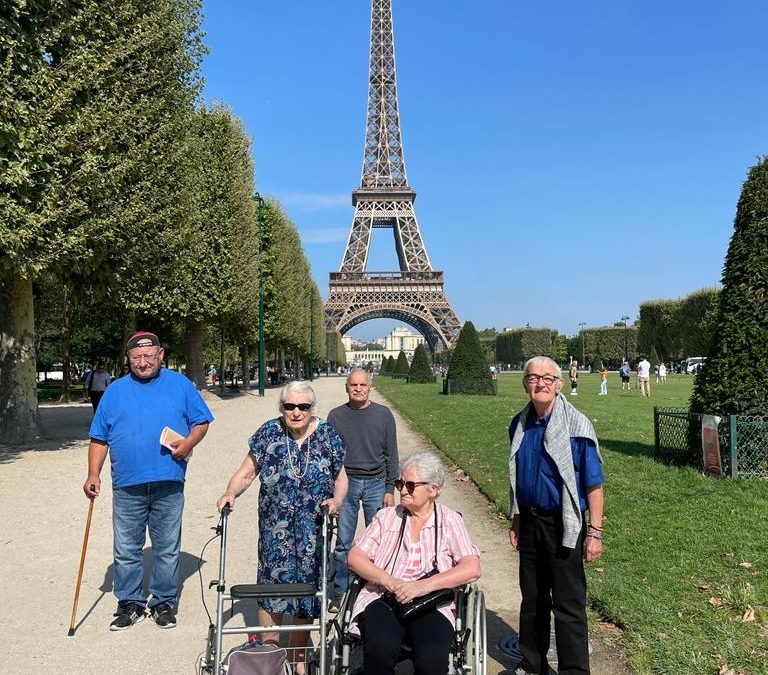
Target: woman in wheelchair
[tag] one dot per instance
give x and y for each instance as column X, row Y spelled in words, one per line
column 410, row 551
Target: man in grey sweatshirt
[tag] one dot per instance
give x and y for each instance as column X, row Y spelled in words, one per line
column 371, row 462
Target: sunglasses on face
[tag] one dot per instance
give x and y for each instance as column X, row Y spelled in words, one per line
column 408, row 484
column 301, row 406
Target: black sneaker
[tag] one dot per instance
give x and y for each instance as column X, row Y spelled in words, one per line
column 128, row 615
column 164, row 615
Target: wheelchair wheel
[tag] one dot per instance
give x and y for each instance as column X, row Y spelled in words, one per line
column 476, row 654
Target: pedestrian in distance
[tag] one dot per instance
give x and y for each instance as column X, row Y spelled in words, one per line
column 625, row 372
column 603, row 380
column 662, row 373
column 644, row 376
column 573, row 373
column 556, row 478
column 96, row 383
column 371, row 463
column 147, row 477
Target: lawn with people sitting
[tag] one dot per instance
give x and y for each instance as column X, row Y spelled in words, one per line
column 684, row 568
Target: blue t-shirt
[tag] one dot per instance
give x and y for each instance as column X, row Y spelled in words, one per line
column 131, row 417
column 538, row 481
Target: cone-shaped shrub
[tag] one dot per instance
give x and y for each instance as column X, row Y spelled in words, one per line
column 390, row 365
column 401, row 365
column 421, row 370
column 734, row 379
column 383, row 366
column 469, row 370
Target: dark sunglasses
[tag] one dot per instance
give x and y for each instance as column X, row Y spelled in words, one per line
column 408, row 484
column 301, row 406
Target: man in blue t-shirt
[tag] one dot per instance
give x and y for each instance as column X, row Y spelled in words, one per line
column 555, row 478
column 147, row 477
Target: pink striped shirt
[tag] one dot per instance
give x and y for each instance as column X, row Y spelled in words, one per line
column 379, row 543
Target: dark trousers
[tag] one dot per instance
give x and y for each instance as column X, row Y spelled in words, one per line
column 95, row 398
column 430, row 636
column 552, row 579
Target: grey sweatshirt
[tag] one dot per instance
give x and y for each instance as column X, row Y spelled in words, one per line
column 371, row 439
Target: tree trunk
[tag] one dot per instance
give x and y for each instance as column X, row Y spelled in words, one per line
column 245, row 366
column 18, row 379
column 66, row 346
column 193, row 353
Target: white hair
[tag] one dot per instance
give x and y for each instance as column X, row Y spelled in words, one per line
column 429, row 467
column 359, row 370
column 544, row 360
column 297, row 387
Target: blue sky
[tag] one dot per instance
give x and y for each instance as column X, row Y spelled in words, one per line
column 570, row 159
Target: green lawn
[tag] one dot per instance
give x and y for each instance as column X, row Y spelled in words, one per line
column 51, row 391
column 685, row 556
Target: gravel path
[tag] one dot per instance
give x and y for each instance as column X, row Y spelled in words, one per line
column 42, row 532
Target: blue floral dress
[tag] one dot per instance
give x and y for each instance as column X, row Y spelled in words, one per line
column 294, row 482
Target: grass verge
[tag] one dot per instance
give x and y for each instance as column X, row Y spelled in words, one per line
column 684, row 568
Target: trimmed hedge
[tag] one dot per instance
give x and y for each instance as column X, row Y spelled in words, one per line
column 401, row 365
column 469, row 369
column 421, row 370
column 520, row 344
column 734, row 378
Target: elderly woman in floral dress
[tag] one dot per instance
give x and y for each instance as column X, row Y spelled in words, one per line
column 299, row 460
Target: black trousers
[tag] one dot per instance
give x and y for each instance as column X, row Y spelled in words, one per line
column 430, row 636
column 95, row 398
column 552, row 579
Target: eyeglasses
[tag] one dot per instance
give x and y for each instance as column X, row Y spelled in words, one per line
column 301, row 406
column 549, row 380
column 408, row 484
column 143, row 357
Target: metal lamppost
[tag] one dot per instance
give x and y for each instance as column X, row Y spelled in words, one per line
column 625, row 318
column 583, row 345
column 262, row 352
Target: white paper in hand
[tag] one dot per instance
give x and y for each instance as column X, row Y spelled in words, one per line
column 168, row 436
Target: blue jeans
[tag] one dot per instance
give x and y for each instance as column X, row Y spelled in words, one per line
column 157, row 506
column 369, row 491
column 604, row 387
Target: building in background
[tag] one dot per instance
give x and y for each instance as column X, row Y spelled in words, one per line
column 400, row 339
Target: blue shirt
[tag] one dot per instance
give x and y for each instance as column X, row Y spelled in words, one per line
column 538, row 481
column 131, row 417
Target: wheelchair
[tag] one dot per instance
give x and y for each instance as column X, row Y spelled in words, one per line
column 468, row 654
column 216, row 661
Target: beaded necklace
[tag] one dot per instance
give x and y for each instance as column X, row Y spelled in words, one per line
column 295, row 464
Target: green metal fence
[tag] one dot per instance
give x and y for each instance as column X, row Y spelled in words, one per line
column 743, row 441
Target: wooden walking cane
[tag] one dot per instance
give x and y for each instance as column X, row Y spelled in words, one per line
column 80, row 571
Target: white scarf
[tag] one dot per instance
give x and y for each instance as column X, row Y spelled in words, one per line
column 564, row 423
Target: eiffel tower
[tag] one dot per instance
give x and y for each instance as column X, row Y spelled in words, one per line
column 414, row 294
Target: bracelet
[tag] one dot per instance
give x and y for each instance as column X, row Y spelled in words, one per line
column 595, row 536
column 594, row 527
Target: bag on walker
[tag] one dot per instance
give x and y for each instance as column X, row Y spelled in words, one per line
column 254, row 658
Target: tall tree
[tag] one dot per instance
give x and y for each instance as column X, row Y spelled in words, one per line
column 734, row 379
column 86, row 91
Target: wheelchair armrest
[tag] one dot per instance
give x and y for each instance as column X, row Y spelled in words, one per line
column 461, row 604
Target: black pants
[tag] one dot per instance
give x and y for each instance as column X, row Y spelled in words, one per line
column 95, row 398
column 431, row 637
column 552, row 579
